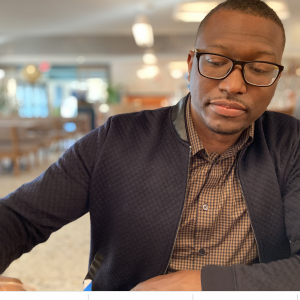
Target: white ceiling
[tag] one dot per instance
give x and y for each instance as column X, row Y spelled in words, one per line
column 72, row 17
column 60, row 28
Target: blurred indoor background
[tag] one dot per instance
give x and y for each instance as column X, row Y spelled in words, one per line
column 67, row 65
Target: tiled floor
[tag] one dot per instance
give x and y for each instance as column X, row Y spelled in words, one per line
column 61, row 263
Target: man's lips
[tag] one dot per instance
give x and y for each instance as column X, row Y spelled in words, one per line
column 228, row 104
column 227, row 108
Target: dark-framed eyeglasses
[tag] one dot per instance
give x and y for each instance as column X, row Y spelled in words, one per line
column 257, row 73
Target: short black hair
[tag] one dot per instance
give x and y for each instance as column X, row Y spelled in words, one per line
column 256, row 8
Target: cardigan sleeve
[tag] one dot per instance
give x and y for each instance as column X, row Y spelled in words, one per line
column 281, row 275
column 57, row 197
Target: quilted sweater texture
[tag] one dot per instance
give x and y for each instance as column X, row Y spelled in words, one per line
column 131, row 175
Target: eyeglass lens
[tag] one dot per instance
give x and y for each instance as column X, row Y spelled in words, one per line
column 257, row 73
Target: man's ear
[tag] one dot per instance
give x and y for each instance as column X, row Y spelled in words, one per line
column 190, row 59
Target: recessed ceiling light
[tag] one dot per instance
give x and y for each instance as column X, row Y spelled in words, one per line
column 147, row 72
column 149, row 59
column 12, row 87
column 281, row 8
column 2, row 73
column 193, row 11
column 104, row 108
column 178, row 65
column 31, row 69
column 176, row 74
column 142, row 32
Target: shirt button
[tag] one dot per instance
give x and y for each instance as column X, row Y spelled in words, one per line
column 202, row 252
column 205, row 207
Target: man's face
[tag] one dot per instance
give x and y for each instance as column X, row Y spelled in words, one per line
column 241, row 37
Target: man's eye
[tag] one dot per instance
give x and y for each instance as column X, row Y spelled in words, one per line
column 259, row 71
column 216, row 63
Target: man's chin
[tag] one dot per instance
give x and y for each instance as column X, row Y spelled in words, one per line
column 223, row 130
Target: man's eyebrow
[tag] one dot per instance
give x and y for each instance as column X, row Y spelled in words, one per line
column 266, row 53
column 217, row 46
column 262, row 52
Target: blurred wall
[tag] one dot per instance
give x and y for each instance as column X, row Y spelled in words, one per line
column 124, row 73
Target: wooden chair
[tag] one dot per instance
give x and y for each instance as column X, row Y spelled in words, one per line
column 13, row 147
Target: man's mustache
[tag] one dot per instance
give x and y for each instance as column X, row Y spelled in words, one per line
column 227, row 97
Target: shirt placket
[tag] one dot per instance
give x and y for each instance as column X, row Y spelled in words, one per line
column 208, row 202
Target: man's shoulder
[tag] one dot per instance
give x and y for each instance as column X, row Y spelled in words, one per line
column 130, row 123
column 270, row 115
column 278, row 130
column 279, row 122
column 134, row 116
column 145, row 119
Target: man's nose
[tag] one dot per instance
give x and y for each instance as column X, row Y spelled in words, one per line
column 234, row 83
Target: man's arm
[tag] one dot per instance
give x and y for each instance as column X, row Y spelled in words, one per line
column 186, row 280
column 282, row 275
column 58, row 196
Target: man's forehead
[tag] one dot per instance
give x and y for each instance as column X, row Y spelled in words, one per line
column 239, row 23
column 222, row 15
column 226, row 29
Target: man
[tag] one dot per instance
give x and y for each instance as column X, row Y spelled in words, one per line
column 200, row 196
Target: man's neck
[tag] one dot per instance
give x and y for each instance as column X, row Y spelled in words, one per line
column 218, row 143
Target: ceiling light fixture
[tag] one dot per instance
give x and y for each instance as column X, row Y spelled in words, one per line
column 104, row 108
column 281, row 8
column 178, row 68
column 147, row 72
column 178, row 65
column 31, row 69
column 193, row 11
column 149, row 59
column 2, row 73
column 176, row 74
column 12, row 87
column 31, row 74
column 142, row 32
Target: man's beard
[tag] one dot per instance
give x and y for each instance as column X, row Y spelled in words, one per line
column 224, row 131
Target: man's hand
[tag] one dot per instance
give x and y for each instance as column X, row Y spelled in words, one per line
column 6, row 284
column 187, row 280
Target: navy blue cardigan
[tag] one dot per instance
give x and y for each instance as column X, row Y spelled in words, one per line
column 131, row 175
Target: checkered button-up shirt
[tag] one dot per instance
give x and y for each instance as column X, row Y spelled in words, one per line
column 215, row 227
